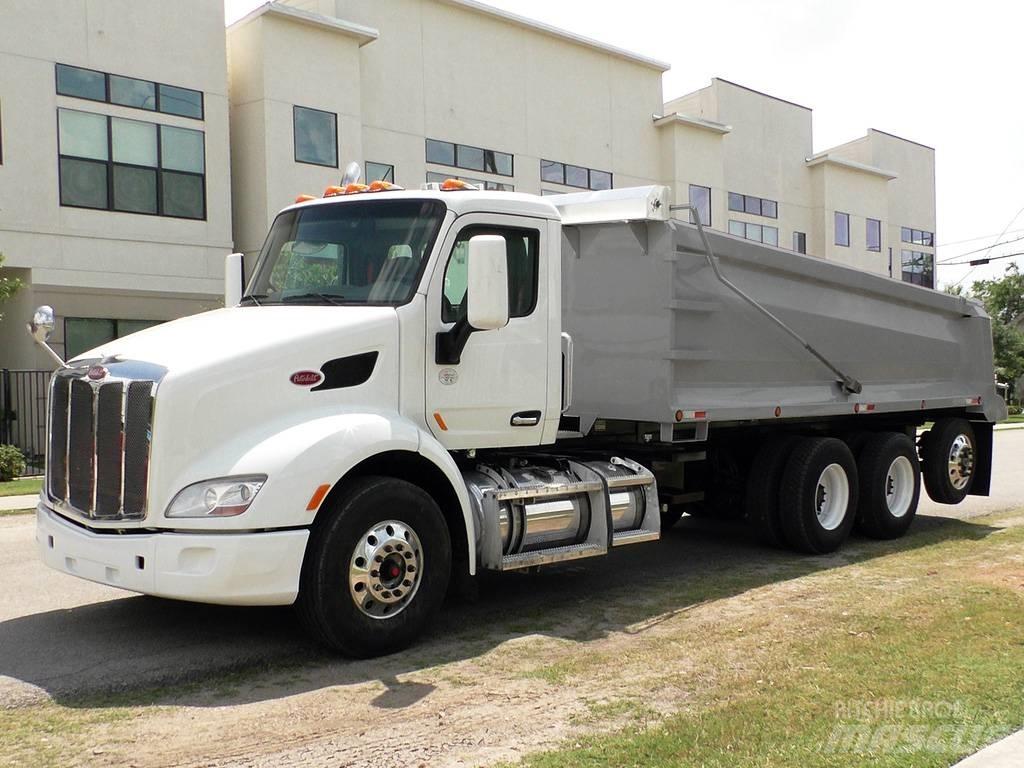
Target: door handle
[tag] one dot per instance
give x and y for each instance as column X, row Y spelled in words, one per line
column 525, row 419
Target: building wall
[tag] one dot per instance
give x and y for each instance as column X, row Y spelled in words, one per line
column 65, row 252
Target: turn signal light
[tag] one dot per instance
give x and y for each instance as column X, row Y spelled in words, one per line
column 304, row 198
column 334, row 191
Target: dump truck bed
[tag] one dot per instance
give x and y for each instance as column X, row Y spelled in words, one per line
column 655, row 332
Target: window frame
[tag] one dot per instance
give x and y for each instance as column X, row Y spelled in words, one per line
column 747, row 203
column 564, row 179
column 456, row 147
column 390, row 172
column 867, row 234
column 116, row 321
column 835, row 228
column 106, row 91
column 800, row 237
column 110, row 164
column 689, row 197
column 295, row 137
column 497, row 229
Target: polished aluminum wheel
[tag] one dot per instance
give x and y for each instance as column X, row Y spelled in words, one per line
column 386, row 569
column 832, row 497
column 961, row 462
column 899, row 486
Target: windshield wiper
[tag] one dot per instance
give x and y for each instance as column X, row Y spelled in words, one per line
column 329, row 298
column 254, row 298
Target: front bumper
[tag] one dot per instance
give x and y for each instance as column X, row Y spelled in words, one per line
column 228, row 569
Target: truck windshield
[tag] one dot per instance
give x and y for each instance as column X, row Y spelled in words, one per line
column 365, row 252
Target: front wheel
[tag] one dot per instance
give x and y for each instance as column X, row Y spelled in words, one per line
column 376, row 570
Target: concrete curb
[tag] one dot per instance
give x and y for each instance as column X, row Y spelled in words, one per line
column 8, row 503
column 1008, row 753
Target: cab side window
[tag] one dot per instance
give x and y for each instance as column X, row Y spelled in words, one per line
column 523, row 267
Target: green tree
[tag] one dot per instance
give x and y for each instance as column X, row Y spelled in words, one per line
column 1004, row 301
column 8, row 285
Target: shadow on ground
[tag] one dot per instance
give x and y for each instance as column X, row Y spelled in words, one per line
column 140, row 651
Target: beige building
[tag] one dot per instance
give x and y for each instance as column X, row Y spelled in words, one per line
column 119, row 197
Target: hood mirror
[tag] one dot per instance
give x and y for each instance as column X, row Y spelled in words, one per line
column 41, row 328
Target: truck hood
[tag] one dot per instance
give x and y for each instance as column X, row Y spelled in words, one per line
column 253, row 336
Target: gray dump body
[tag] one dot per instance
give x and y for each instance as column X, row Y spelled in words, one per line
column 654, row 332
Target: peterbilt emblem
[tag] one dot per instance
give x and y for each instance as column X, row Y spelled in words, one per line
column 306, row 378
column 96, row 372
column 448, row 376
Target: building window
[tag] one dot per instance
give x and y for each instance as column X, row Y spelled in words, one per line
column 89, row 84
column 493, row 186
column 521, row 252
column 469, row 158
column 917, row 236
column 574, row 175
column 115, row 164
column 316, row 136
column 918, row 268
column 84, row 333
column 874, row 235
column 800, row 242
column 380, row 172
column 759, row 233
column 700, row 198
column 756, row 206
column 842, row 229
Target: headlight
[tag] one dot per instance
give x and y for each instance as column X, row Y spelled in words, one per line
column 223, row 497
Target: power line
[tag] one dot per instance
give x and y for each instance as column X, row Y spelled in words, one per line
column 982, row 261
column 979, row 250
column 974, row 239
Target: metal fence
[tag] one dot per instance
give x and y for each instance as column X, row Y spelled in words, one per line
column 23, row 414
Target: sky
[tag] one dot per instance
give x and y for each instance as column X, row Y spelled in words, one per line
column 943, row 73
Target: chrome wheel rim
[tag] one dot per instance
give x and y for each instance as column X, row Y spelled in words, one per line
column 899, row 486
column 961, row 462
column 832, row 497
column 386, row 569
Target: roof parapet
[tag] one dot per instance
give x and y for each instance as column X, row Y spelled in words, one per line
column 362, row 34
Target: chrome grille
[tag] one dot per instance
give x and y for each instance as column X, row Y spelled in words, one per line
column 100, row 435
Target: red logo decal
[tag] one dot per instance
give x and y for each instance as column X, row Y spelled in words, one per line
column 97, row 372
column 306, row 378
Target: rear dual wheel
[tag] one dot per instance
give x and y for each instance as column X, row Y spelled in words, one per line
column 890, row 485
column 818, row 495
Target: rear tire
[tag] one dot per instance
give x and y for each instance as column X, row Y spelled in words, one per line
column 818, row 495
column 890, row 485
column 948, row 460
column 360, row 597
column 762, row 497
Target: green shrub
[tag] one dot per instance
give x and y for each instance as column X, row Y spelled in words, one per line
column 1015, row 410
column 12, row 463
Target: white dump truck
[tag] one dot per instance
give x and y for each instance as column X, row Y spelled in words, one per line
column 417, row 384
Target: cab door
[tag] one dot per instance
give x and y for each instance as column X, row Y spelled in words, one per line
column 497, row 393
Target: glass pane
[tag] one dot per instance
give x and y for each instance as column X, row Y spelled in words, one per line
column 127, row 327
column 928, row 238
column 576, row 176
column 470, row 157
column 503, row 163
column 874, row 235
column 753, row 232
column 437, row 178
column 83, row 83
column 316, row 137
column 770, row 209
column 84, row 333
column 181, row 149
column 183, row 195
column 521, row 250
column 380, row 172
column 133, row 142
column 83, row 183
column 737, row 228
column 456, row 280
column 494, row 185
column 905, row 234
column 770, row 235
column 752, row 205
column 735, row 202
column 181, row 101
column 552, row 171
column 440, row 152
column 700, row 197
column 842, row 228
column 800, row 242
column 916, row 236
column 132, row 93
column 134, row 189
column 600, row 180
column 83, row 134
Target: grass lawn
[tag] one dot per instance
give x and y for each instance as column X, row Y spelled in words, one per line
column 1017, row 419
column 914, row 659
column 21, row 487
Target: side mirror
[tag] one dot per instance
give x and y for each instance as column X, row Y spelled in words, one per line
column 42, row 324
column 233, row 279
column 487, row 283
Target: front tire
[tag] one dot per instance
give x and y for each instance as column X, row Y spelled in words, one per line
column 890, row 485
column 818, row 495
column 376, row 570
